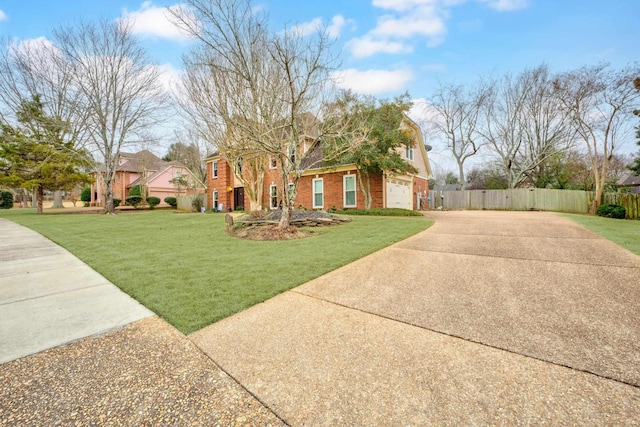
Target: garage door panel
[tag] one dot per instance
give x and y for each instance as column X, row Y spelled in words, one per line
column 399, row 194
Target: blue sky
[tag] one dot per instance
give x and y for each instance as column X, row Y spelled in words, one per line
column 387, row 47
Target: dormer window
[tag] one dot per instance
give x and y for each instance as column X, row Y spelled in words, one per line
column 409, row 153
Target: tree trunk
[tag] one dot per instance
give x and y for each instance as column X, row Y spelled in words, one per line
column 40, row 197
column 57, row 200
column 108, row 198
column 461, row 177
column 285, row 219
column 34, row 198
column 365, row 188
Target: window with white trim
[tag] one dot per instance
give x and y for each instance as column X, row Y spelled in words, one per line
column 273, row 163
column 273, row 196
column 214, row 169
column 409, row 153
column 349, row 186
column 215, row 200
column 318, row 193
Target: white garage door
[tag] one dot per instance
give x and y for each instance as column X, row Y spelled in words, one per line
column 399, row 194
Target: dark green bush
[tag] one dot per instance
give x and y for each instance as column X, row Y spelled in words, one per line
column 85, row 195
column 134, row 201
column 153, row 201
column 172, row 201
column 6, row 199
column 116, row 202
column 611, row 211
column 136, row 190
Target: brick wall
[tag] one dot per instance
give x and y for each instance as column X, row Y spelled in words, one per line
column 220, row 184
column 420, row 185
column 334, row 192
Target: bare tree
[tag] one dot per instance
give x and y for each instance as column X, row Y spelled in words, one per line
column 524, row 123
column 118, row 88
column 458, row 116
column 190, row 150
column 600, row 102
column 256, row 95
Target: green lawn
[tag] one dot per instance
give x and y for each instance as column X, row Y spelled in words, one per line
column 626, row 233
column 186, row 269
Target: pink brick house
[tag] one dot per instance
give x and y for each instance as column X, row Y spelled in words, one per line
column 326, row 187
column 145, row 167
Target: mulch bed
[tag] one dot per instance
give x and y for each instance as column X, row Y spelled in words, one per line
column 264, row 226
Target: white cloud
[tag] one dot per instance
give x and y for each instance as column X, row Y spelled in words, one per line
column 506, row 5
column 425, row 23
column 409, row 20
column 307, row 28
column 335, row 28
column 423, row 113
column 3, row 16
column 154, row 21
column 170, row 77
column 401, row 5
column 367, row 46
column 373, row 82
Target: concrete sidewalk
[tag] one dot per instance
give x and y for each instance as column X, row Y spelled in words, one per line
column 48, row 297
column 487, row 318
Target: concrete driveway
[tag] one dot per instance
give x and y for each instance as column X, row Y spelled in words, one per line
column 487, row 318
column 48, row 297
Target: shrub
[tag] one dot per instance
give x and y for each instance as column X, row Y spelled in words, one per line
column 611, row 211
column 172, row 201
column 153, row 201
column 116, row 202
column 136, row 190
column 197, row 203
column 6, row 199
column 85, row 194
column 134, row 201
column 380, row 212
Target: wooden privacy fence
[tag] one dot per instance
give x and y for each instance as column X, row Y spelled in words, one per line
column 525, row 199
column 185, row 201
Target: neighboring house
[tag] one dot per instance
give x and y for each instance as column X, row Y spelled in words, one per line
column 147, row 169
column 325, row 187
column 631, row 181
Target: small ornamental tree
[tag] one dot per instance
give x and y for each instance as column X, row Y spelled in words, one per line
column 136, row 190
column 153, row 201
column 85, row 194
column 384, row 138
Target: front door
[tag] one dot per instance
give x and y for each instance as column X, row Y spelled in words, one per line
column 238, row 198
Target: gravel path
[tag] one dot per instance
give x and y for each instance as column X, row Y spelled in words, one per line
column 145, row 374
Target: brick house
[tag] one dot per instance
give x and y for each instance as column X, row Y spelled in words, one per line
column 325, row 187
column 131, row 171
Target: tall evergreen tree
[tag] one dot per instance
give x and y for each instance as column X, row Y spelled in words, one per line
column 35, row 154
